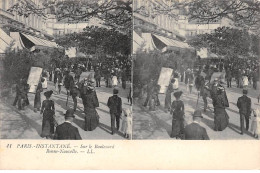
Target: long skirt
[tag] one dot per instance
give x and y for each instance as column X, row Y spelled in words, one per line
column 47, row 123
column 177, row 128
column 91, row 119
column 37, row 101
column 221, row 119
column 114, row 81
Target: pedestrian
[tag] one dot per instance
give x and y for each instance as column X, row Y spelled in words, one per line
column 78, row 72
column 48, row 111
column 255, row 78
column 90, row 102
column 74, row 92
column 255, row 125
column 66, row 131
column 37, row 98
column 50, row 74
column 124, row 78
column 59, row 80
column 129, row 97
column 195, row 131
column 191, row 82
column 220, row 102
column 150, row 90
column 244, row 106
column 44, row 83
column 55, row 77
column 18, row 94
column 115, row 108
column 97, row 77
column 68, row 81
column 127, row 123
column 114, row 80
column 177, row 112
column 228, row 78
column 167, row 102
column 245, row 81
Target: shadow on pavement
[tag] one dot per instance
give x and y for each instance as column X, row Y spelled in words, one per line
column 79, row 123
column 105, row 128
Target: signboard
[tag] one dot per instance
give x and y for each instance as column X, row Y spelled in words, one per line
column 34, row 78
column 164, row 79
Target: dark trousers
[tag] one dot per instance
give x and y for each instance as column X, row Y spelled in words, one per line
column 75, row 101
column 123, row 84
column 148, row 98
column 115, row 118
column 97, row 82
column 229, row 82
column 205, row 102
column 254, row 84
column 242, row 118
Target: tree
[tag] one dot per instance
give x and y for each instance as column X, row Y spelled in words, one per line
column 113, row 13
column 227, row 41
column 98, row 40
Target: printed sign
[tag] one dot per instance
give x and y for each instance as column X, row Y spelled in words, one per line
column 164, row 79
column 34, row 78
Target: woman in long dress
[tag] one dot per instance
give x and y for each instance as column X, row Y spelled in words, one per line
column 220, row 102
column 44, row 83
column 90, row 102
column 177, row 111
column 48, row 111
column 126, row 127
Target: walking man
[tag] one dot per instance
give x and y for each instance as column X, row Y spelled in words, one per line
column 115, row 105
column 244, row 106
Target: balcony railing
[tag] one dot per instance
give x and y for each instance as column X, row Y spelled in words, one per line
column 6, row 14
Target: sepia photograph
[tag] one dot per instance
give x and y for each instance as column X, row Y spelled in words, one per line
column 66, row 69
column 196, row 69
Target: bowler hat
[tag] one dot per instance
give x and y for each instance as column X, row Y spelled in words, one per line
column 177, row 94
column 48, row 93
column 245, row 91
column 197, row 113
column 115, row 91
column 69, row 113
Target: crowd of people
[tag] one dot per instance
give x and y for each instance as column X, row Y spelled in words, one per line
column 245, row 72
column 69, row 78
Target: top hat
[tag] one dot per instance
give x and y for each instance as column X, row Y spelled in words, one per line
column 197, row 113
column 115, row 91
column 245, row 91
column 48, row 93
column 177, row 94
column 69, row 113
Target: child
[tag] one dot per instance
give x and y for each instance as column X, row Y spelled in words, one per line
column 48, row 111
column 255, row 126
column 127, row 124
column 37, row 98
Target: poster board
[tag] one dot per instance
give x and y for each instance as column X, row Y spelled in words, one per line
column 34, row 78
column 164, row 79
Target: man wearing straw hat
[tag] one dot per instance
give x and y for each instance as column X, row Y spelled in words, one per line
column 67, row 131
column 195, row 131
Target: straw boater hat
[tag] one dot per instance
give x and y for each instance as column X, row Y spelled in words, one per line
column 177, row 94
column 69, row 113
column 48, row 93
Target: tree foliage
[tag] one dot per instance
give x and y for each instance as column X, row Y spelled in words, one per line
column 227, row 41
column 114, row 13
column 99, row 41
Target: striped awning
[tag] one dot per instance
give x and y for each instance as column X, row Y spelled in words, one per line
column 40, row 42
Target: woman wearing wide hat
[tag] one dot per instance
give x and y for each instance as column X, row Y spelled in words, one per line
column 177, row 111
column 48, row 111
column 90, row 102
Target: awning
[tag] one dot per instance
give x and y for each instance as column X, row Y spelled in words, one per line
column 39, row 42
column 171, row 43
column 149, row 43
column 138, row 42
column 5, row 41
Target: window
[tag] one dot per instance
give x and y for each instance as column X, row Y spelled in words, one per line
column 3, row 2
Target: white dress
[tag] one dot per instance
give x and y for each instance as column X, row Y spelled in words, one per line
column 255, row 125
column 114, row 81
column 127, row 125
column 245, row 81
column 44, row 84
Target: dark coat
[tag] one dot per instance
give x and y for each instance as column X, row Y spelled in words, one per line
column 244, row 105
column 194, row 131
column 115, row 105
column 67, row 131
column 68, row 82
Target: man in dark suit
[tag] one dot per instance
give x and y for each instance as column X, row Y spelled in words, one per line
column 115, row 105
column 244, row 106
column 67, row 131
column 194, row 131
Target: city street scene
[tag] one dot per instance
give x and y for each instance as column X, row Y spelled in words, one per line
column 196, row 70
column 66, row 69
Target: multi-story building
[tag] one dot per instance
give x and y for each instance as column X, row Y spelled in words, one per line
column 29, row 32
